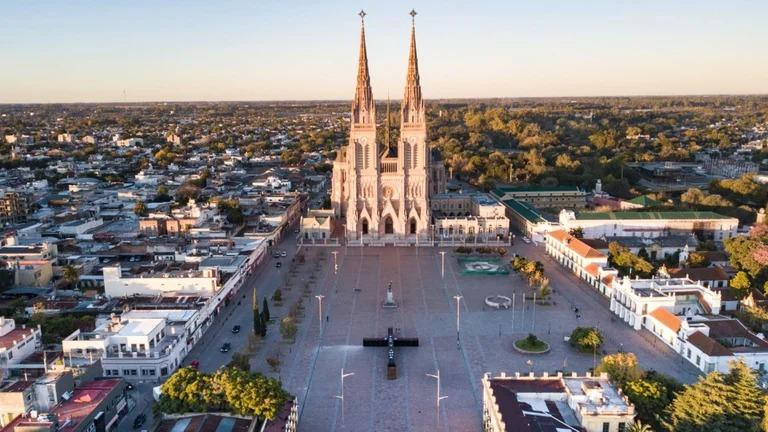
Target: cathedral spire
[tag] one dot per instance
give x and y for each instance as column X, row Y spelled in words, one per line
column 388, row 126
column 362, row 106
column 413, row 105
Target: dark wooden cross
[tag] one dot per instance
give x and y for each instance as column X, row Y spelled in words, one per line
column 391, row 342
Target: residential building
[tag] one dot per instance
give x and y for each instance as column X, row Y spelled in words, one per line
column 554, row 403
column 14, row 207
column 16, row 343
column 139, row 345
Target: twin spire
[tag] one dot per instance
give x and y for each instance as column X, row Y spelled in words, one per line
column 363, row 107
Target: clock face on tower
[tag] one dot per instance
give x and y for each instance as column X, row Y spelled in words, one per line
column 363, row 140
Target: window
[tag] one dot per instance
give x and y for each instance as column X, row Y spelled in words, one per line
column 622, row 427
column 133, row 372
column 606, row 427
column 107, row 372
column 164, row 371
column 126, row 372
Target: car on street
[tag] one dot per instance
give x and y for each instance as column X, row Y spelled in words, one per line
column 139, row 421
column 278, row 264
column 194, row 364
column 236, row 329
column 526, row 240
column 225, row 347
column 129, row 386
column 296, row 231
column 276, row 254
column 283, row 254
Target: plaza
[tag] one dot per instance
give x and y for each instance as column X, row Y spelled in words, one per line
column 352, row 310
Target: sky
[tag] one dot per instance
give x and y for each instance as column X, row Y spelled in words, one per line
column 194, row 50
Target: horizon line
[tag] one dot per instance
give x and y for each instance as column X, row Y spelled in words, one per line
column 637, row 95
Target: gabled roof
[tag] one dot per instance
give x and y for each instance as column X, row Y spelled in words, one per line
column 576, row 245
column 667, row 318
column 707, row 345
column 699, row 273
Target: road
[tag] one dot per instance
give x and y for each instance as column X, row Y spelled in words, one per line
column 265, row 279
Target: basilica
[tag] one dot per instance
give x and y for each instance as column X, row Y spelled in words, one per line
column 383, row 188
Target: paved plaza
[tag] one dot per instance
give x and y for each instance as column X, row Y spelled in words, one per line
column 427, row 310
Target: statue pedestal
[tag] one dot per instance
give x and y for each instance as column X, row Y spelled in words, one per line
column 389, row 303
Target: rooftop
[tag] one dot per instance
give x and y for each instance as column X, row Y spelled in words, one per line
column 205, row 423
column 678, row 215
column 85, row 399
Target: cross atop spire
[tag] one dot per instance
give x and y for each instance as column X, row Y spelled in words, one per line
column 363, row 105
column 413, row 14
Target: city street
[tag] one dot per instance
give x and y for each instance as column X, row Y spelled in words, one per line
column 265, row 279
column 311, row 367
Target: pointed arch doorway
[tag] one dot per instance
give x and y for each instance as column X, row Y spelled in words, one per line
column 412, row 226
column 389, row 225
column 365, row 227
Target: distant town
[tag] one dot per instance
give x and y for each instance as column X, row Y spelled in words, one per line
column 534, row 265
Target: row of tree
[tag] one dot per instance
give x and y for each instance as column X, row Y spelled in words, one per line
column 229, row 389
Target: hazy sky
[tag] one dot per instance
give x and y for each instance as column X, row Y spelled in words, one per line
column 76, row 50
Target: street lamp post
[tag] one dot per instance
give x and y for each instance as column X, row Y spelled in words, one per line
column 438, row 398
column 343, row 375
column 320, row 297
column 458, row 298
column 442, row 264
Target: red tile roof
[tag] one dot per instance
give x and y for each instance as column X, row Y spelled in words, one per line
column 593, row 269
column 667, row 318
column 707, row 345
column 16, row 335
column 86, row 398
column 576, row 245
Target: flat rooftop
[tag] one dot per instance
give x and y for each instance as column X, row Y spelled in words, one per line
column 655, row 215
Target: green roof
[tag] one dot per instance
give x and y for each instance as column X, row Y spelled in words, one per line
column 524, row 210
column 649, row 215
column 502, row 189
column 644, row 201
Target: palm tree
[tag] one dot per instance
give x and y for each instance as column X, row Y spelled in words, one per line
column 70, row 275
column 639, row 426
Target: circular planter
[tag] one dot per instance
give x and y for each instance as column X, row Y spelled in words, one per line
column 498, row 301
column 525, row 351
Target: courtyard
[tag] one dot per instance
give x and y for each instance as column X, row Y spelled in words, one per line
column 352, row 310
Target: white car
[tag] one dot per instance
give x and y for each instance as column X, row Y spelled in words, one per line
column 526, row 240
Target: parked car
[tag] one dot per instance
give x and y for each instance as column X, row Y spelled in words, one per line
column 276, row 254
column 194, row 364
column 129, row 386
column 225, row 347
column 139, row 421
column 278, row 264
column 236, row 329
column 283, row 254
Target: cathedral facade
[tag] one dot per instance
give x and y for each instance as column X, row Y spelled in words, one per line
column 381, row 190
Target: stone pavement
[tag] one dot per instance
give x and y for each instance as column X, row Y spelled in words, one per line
column 427, row 310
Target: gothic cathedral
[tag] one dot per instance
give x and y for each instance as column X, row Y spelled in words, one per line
column 381, row 191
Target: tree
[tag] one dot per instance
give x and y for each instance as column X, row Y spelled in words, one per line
column 277, row 296
column 240, row 361
column 288, row 327
column 577, row 232
column 228, row 389
column 587, row 339
column 620, row 367
column 161, row 194
column 70, row 275
column 698, row 259
column 265, row 309
column 731, row 402
column 621, row 258
column 649, row 398
column 639, row 426
column 140, row 208
column 741, row 284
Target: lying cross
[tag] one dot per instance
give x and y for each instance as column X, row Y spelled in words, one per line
column 391, row 342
